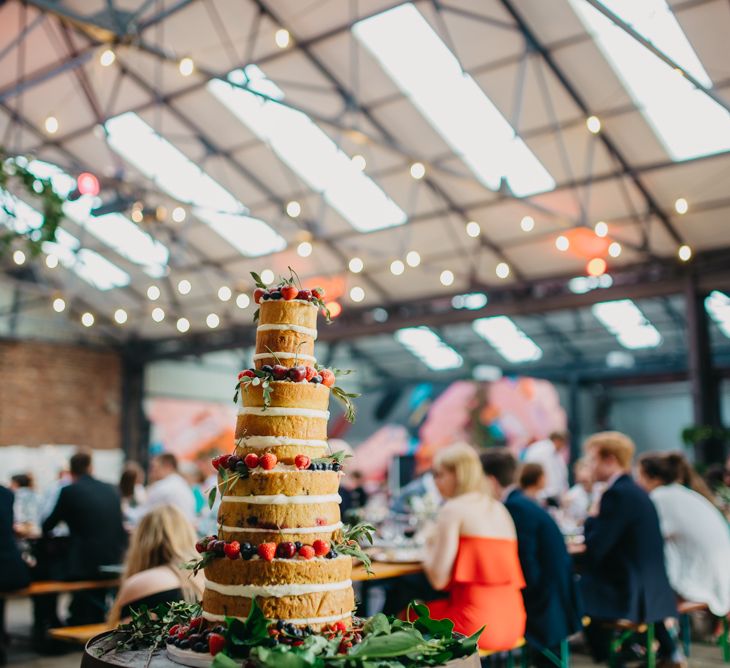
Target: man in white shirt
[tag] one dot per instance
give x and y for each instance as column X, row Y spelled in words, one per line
column 167, row 488
column 550, row 453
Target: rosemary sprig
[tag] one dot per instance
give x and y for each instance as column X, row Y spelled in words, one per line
column 338, row 457
column 350, row 541
column 228, row 479
column 346, row 399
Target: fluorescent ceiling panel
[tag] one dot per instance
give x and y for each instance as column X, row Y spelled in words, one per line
column 507, row 339
column 425, row 344
column 183, row 180
column 686, row 121
column 113, row 229
column 424, row 68
column 718, row 306
column 87, row 264
column 627, row 323
column 308, row 151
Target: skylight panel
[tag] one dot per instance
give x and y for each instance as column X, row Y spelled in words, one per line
column 113, row 229
column 182, row 179
column 507, row 339
column 425, row 344
column 718, row 306
column 627, row 323
column 686, row 121
column 308, row 151
column 424, row 68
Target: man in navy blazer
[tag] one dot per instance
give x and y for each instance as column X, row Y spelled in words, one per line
column 624, row 577
column 550, row 593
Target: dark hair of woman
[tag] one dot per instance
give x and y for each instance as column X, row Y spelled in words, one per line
column 673, row 467
column 131, row 476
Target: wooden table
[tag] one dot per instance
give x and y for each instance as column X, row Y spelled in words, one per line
column 383, row 571
column 79, row 635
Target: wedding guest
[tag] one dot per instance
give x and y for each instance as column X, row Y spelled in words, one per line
column 579, row 499
column 472, row 554
column 167, row 487
column 550, row 594
column 163, row 541
column 696, row 535
column 26, row 509
column 551, row 454
column 625, row 577
column 532, row 480
column 92, row 510
column 131, row 489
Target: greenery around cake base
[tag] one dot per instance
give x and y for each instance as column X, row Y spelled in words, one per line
column 385, row 642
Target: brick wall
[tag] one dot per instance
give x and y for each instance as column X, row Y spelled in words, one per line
column 59, row 394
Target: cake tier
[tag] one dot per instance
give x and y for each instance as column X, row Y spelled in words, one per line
column 289, row 482
column 307, row 535
column 284, row 358
column 285, row 449
column 271, row 337
column 297, row 423
column 295, row 312
column 287, row 394
column 313, row 609
column 272, row 512
column 256, row 571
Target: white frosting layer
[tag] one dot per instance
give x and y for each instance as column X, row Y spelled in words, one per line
column 288, row 326
column 277, row 411
column 267, row 441
column 284, row 356
column 303, row 530
column 281, row 499
column 277, row 591
column 212, row 617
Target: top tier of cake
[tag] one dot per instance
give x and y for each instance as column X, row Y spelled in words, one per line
column 286, row 333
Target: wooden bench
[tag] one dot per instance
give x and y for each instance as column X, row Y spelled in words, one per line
column 59, row 587
column 79, row 635
column 685, row 608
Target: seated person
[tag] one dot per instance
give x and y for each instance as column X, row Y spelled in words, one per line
column 532, row 480
column 550, row 594
column 161, row 543
column 472, row 554
column 578, row 500
column 625, row 577
column 696, row 536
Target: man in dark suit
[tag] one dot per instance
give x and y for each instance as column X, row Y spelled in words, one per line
column 92, row 510
column 550, row 595
column 624, row 577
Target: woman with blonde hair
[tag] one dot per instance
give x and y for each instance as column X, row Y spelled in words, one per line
column 472, row 554
column 162, row 542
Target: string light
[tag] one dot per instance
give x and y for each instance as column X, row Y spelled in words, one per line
column 224, row 293
column 282, row 38
column 137, row 216
column 447, row 277
column 51, row 261
column 267, row 276
column 684, row 253
column 614, row 250
column 19, row 257
column 120, row 316
column 473, row 229
column 183, row 325
column 87, row 319
column 357, row 294
column 158, row 315
column 601, row 229
column 243, row 300
column 681, row 206
column 413, row 258
column 107, row 57
column 304, row 249
column 59, row 305
column 212, row 320
column 397, row 267
column 593, row 123
column 562, row 243
column 293, row 209
column 178, row 214
column 184, row 287
column 359, row 162
column 502, row 270
column 355, row 265
column 51, row 125
column 418, row 170
column 527, row 224
column 186, row 66
column 153, row 293
column 87, row 184
column 596, row 266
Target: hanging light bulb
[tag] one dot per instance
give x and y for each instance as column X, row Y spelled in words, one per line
column 107, row 57
column 186, row 66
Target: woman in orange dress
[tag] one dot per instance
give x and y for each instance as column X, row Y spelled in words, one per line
column 472, row 555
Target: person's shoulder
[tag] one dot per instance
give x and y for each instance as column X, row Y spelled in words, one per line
column 148, row 582
column 462, row 505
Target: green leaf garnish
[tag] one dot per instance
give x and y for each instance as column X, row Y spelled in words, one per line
column 346, row 399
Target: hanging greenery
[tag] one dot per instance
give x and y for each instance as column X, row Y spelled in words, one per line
column 16, row 177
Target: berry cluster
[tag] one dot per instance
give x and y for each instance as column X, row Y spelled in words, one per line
column 287, row 292
column 266, row 551
column 288, row 634
column 302, row 462
column 193, row 636
column 243, row 465
column 296, row 374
